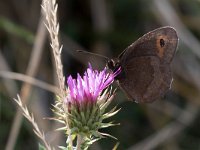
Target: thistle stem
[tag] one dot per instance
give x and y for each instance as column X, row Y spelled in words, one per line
column 79, row 142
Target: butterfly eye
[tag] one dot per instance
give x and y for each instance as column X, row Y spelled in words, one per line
column 162, row 43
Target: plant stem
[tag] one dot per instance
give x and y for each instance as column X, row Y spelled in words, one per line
column 79, row 142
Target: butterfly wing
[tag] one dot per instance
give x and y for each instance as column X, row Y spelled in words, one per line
column 146, row 65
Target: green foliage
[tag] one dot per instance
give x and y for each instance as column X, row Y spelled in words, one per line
column 41, row 147
column 16, row 30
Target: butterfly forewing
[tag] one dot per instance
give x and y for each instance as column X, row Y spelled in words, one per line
column 146, row 65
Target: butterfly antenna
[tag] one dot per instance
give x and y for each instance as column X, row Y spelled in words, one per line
column 99, row 55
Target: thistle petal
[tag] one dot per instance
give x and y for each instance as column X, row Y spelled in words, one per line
column 90, row 87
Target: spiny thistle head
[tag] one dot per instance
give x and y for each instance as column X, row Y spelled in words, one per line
column 87, row 99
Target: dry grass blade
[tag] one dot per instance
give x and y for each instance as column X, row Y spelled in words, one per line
column 31, row 119
column 163, row 9
column 28, row 79
column 169, row 131
column 50, row 11
column 10, row 85
column 26, row 88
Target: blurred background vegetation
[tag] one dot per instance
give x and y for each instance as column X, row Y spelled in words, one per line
column 106, row 27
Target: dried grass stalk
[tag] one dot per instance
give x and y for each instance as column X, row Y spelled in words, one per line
column 50, row 11
column 31, row 119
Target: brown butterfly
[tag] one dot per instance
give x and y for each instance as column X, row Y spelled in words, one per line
column 145, row 64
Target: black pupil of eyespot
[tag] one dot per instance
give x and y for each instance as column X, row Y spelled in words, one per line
column 162, row 42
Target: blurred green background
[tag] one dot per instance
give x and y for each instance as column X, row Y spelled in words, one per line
column 106, row 27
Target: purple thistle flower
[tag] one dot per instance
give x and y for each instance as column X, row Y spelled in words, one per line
column 88, row 99
column 89, row 87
